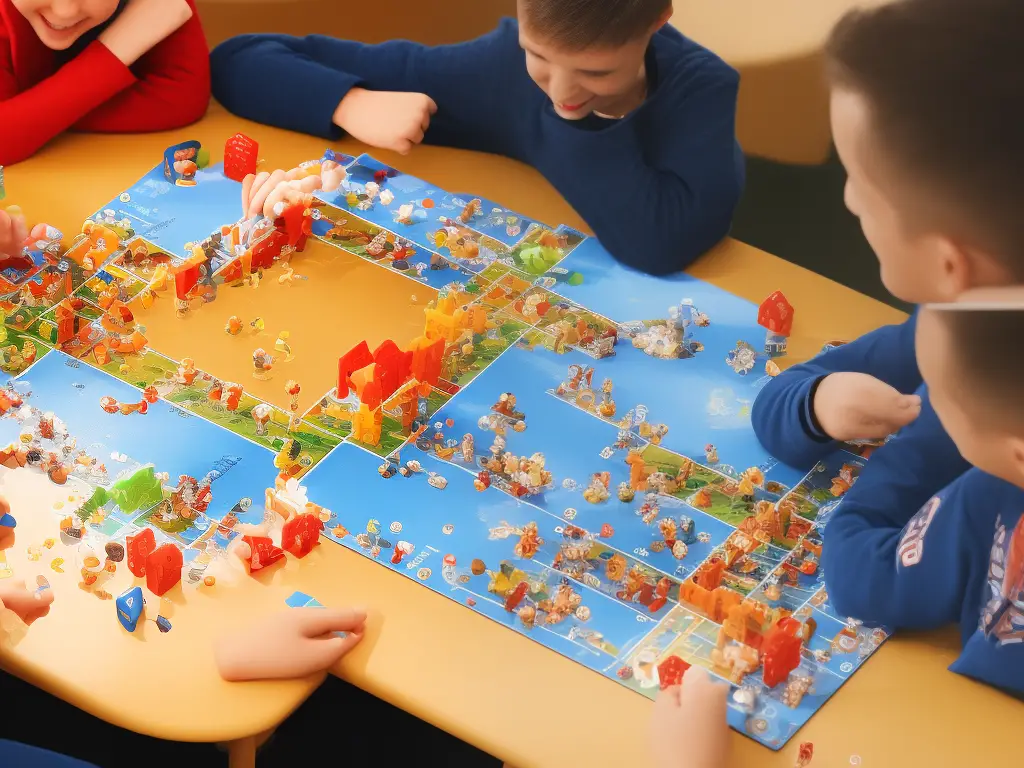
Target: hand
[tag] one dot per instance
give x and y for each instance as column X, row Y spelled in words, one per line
column 386, row 119
column 689, row 727
column 142, row 26
column 28, row 605
column 855, row 406
column 270, row 193
column 14, row 236
column 293, row 644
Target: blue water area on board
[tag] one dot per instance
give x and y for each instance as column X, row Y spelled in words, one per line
column 166, row 436
column 425, row 220
column 171, row 216
column 347, row 483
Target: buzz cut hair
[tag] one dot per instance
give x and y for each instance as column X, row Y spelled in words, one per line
column 579, row 24
column 987, row 355
column 944, row 85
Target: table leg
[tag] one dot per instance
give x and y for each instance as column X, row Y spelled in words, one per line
column 242, row 752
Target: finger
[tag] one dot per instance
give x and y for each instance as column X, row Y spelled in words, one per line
column 6, row 232
column 325, row 653
column 403, row 146
column 247, row 184
column 262, row 190
column 431, row 106
column 41, row 232
column 332, row 178
column 669, row 698
column 425, row 122
column 321, row 621
column 275, row 197
column 19, row 229
column 416, row 137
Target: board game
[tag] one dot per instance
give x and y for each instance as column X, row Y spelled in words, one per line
column 483, row 403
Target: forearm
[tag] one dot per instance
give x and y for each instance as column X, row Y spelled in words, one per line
column 783, row 412
column 173, row 88
column 31, row 118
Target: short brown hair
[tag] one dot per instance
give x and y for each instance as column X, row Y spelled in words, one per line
column 578, row 24
column 944, row 82
column 986, row 354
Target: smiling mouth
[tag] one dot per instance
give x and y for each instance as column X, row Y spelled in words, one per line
column 574, row 107
column 59, row 27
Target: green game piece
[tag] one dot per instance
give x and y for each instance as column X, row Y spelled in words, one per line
column 203, row 158
column 3, row 192
column 576, row 278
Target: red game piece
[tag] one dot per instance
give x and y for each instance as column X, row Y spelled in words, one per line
column 671, row 671
column 138, row 548
column 262, row 552
column 776, row 314
column 240, row 157
column 607, row 531
column 781, row 651
column 301, row 534
column 357, row 357
column 163, row 568
column 515, row 597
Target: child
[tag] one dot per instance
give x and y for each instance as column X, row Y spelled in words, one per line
column 105, row 66
column 933, row 159
column 633, row 123
column 961, row 558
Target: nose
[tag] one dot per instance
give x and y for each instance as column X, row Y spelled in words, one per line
column 562, row 87
column 65, row 9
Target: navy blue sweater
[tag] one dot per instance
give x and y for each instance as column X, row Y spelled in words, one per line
column 658, row 187
column 921, row 540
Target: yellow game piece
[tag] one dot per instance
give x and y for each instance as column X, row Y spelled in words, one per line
column 56, row 564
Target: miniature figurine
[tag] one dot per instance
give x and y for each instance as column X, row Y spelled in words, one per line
column 626, row 493
column 710, row 454
column 467, row 448
column 742, row 358
column 597, row 491
column 262, row 363
column 776, row 315
column 257, row 325
column 529, row 542
column 234, row 325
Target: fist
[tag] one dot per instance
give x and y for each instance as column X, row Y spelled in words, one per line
column 855, row 406
column 28, row 605
column 385, row 119
column 689, row 727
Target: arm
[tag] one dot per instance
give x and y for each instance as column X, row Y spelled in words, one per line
column 783, row 413
column 31, row 118
column 171, row 87
column 671, row 203
column 309, row 76
column 871, row 570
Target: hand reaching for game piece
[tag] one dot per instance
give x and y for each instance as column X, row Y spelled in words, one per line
column 269, row 193
column 856, row 406
column 27, row 604
column 689, row 727
column 293, row 644
column 14, row 236
column 387, row 119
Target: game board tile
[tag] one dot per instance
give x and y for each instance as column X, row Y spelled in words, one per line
column 817, row 496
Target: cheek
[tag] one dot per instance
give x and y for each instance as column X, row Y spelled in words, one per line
column 539, row 71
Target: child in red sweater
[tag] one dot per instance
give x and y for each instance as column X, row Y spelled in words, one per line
column 105, row 66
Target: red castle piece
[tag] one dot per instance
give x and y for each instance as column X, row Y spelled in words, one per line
column 301, row 534
column 776, row 314
column 356, row 358
column 240, row 157
column 138, row 548
column 163, row 569
column 781, row 651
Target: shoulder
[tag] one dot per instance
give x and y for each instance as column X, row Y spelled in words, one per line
column 685, row 64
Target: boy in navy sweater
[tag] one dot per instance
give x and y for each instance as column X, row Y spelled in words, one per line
column 630, row 121
column 919, row 95
column 960, row 559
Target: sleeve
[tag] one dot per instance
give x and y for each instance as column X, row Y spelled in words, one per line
column 309, row 76
column 783, row 412
column 171, row 88
column 880, row 565
column 671, row 204
column 29, row 119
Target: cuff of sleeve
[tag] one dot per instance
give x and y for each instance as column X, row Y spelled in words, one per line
column 105, row 67
column 808, row 418
column 323, row 97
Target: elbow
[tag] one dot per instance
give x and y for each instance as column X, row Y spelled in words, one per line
column 662, row 253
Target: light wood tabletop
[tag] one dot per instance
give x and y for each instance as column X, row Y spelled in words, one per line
column 424, row 653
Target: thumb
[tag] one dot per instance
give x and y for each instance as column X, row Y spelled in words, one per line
column 316, row 622
column 324, row 653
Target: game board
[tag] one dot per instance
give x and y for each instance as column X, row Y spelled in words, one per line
column 559, row 443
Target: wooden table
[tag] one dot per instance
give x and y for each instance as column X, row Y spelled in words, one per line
column 426, row 654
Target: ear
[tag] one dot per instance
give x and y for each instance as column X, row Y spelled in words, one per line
column 954, row 268
column 664, row 18
column 1017, row 459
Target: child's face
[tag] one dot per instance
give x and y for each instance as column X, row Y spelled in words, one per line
column 582, row 82
column 980, row 434
column 59, row 23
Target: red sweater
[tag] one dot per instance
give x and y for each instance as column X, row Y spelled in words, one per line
column 167, row 88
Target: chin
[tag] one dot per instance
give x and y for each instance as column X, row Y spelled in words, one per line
column 579, row 114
